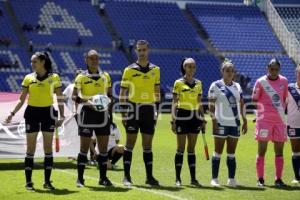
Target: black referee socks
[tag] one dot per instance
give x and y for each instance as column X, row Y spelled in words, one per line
column 28, row 167
column 192, row 165
column 81, row 163
column 178, row 164
column 102, row 162
column 48, row 164
column 148, row 160
column 296, row 166
column 127, row 161
column 116, row 157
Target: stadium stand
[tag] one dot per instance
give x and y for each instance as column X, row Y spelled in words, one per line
column 285, row 1
column 235, row 27
column 291, row 17
column 61, row 22
column 162, row 24
column 7, row 34
column 207, row 68
column 240, row 33
column 254, row 66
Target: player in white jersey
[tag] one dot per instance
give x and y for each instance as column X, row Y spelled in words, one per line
column 69, row 103
column 293, row 127
column 226, row 106
column 114, row 149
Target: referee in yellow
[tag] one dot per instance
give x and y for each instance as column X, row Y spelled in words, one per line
column 140, row 97
column 187, row 117
column 40, row 114
column 90, row 120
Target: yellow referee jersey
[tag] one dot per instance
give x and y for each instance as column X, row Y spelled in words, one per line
column 41, row 89
column 187, row 93
column 140, row 82
column 89, row 85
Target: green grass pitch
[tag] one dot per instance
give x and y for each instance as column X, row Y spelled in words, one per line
column 164, row 146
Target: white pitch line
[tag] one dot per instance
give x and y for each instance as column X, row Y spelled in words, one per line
column 131, row 187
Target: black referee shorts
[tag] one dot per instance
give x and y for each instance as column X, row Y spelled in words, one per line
column 141, row 117
column 188, row 121
column 40, row 119
column 90, row 121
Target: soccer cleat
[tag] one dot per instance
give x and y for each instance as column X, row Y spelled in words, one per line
column 105, row 182
column 214, row 182
column 152, row 181
column 195, row 183
column 29, row 186
column 295, row 181
column 79, row 183
column 127, row 181
column 49, row 186
column 178, row 182
column 232, row 183
column 260, row 182
column 279, row 183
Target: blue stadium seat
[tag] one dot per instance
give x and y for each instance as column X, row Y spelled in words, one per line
column 291, row 17
column 6, row 29
column 255, row 66
column 162, row 24
column 64, row 22
column 236, row 27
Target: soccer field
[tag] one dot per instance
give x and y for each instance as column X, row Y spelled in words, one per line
column 12, row 178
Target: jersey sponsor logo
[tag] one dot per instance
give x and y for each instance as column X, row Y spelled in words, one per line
column 263, row 133
column 185, row 90
column 281, row 87
column 276, row 100
column 88, row 82
column 41, row 85
column 146, row 77
column 136, row 75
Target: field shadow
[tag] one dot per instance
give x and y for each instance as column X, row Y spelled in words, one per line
column 108, row 189
column 286, row 188
column 56, row 191
column 161, row 187
column 37, row 165
column 204, row 187
column 249, row 188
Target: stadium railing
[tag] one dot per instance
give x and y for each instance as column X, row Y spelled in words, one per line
column 287, row 38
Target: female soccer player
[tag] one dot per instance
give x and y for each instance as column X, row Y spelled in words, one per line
column 226, row 105
column 88, row 84
column 40, row 114
column 293, row 128
column 270, row 94
column 187, row 117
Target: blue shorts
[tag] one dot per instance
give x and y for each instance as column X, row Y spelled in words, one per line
column 227, row 131
column 293, row 133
